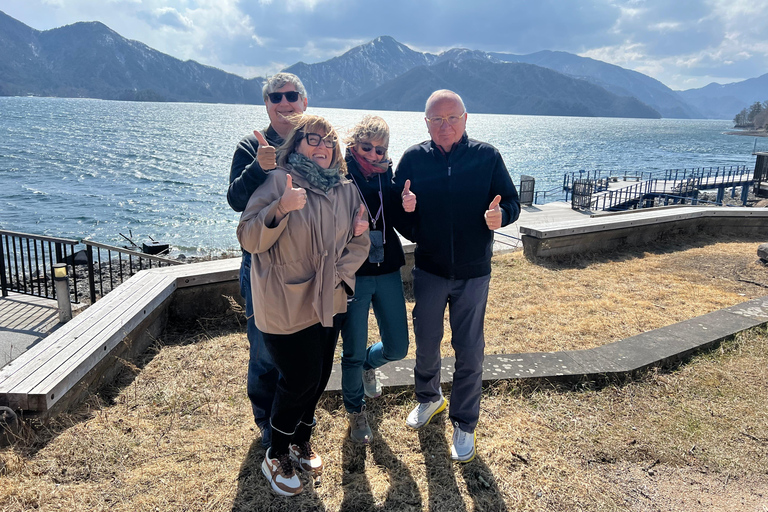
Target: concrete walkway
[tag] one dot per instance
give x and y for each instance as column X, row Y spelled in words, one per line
column 661, row 347
column 24, row 321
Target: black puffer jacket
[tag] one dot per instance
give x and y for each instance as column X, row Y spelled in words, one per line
column 453, row 192
column 391, row 217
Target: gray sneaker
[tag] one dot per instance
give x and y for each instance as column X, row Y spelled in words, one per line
column 371, row 384
column 359, row 430
column 463, row 447
column 423, row 413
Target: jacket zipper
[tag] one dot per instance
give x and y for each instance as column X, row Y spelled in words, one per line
column 450, row 222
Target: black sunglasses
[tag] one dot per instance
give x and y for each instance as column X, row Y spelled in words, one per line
column 277, row 97
column 367, row 146
column 314, row 139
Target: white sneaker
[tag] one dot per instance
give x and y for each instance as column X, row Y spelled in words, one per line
column 423, row 413
column 463, row 447
column 371, row 384
column 281, row 475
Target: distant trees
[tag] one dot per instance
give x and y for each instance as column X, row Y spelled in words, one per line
column 751, row 117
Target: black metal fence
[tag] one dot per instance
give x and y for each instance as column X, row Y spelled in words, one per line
column 26, row 262
column 26, row 265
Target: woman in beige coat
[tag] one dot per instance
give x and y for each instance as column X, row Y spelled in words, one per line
column 299, row 228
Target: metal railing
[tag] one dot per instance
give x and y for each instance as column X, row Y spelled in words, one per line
column 675, row 184
column 713, row 176
column 26, row 265
column 108, row 266
column 601, row 174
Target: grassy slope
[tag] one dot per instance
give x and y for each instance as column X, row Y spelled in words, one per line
column 178, row 434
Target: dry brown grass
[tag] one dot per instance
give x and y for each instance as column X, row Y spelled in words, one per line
column 178, row 433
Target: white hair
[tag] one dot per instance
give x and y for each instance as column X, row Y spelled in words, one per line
column 443, row 93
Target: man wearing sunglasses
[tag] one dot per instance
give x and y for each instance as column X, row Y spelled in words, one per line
column 465, row 192
column 284, row 95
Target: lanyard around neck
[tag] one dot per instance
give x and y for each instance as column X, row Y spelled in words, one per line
column 379, row 212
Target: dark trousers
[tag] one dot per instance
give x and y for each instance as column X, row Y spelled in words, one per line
column 304, row 360
column 466, row 300
column 262, row 374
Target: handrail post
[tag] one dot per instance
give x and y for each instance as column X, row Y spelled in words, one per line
column 3, row 280
column 91, row 279
column 61, row 280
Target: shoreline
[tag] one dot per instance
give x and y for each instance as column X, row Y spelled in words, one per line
column 749, row 133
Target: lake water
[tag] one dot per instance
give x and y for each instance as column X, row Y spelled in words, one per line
column 82, row 168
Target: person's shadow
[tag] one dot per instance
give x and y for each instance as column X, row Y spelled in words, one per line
column 255, row 493
column 444, row 492
column 403, row 493
column 481, row 486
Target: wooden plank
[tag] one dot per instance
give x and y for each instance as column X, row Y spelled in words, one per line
column 50, row 346
column 17, row 386
column 206, row 272
column 65, row 372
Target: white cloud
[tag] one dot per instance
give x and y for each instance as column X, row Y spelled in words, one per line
column 679, row 43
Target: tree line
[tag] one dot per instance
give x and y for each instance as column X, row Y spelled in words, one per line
column 746, row 118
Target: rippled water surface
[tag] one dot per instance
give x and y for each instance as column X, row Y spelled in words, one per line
column 81, row 168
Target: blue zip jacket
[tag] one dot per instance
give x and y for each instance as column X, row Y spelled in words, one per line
column 453, row 192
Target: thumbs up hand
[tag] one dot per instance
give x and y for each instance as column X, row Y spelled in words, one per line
column 409, row 198
column 361, row 224
column 493, row 214
column 292, row 198
column 266, row 153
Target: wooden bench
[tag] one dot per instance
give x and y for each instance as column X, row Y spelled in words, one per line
column 87, row 350
column 636, row 227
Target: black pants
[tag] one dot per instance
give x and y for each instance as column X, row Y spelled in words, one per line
column 304, row 360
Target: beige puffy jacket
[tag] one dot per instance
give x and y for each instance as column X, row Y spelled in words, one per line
column 302, row 268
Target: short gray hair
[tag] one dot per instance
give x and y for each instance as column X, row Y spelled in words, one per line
column 440, row 94
column 277, row 81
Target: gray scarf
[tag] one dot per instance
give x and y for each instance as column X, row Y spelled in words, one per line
column 324, row 179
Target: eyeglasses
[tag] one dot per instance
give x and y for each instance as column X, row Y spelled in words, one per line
column 437, row 122
column 367, row 146
column 314, row 139
column 277, row 97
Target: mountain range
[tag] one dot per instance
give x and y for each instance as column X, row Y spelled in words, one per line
column 88, row 59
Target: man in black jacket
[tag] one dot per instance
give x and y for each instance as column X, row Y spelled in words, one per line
column 284, row 95
column 465, row 192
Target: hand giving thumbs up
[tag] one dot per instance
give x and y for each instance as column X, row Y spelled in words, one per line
column 409, row 198
column 493, row 214
column 266, row 153
column 292, row 198
column 361, row 224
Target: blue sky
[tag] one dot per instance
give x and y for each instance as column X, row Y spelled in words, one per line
column 683, row 43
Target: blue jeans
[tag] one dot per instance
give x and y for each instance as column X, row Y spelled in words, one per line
column 262, row 374
column 385, row 293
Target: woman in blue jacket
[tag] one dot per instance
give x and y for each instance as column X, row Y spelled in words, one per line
column 378, row 279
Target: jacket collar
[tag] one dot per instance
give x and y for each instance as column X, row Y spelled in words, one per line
column 438, row 150
column 273, row 137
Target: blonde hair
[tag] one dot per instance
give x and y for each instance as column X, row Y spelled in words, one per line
column 308, row 123
column 368, row 129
